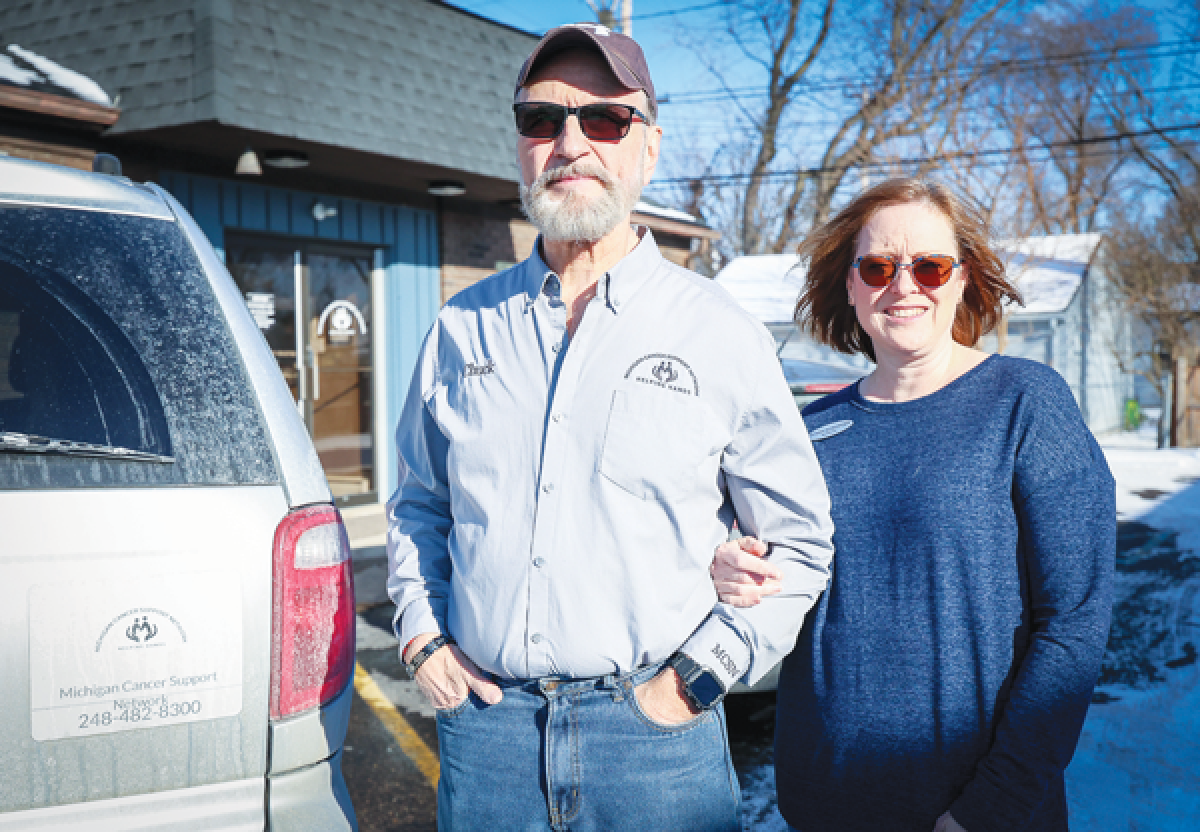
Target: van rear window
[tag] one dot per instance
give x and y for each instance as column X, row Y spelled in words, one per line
column 116, row 364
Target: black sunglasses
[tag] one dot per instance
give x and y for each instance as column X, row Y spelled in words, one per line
column 602, row 122
column 931, row 271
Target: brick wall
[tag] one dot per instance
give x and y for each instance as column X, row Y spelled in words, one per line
column 477, row 243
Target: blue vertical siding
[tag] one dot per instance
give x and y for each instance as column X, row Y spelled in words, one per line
column 412, row 281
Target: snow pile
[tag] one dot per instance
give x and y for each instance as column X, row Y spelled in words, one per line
column 33, row 70
column 1160, row 488
column 1137, row 757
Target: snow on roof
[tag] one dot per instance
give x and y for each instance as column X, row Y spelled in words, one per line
column 644, row 207
column 1048, row 270
column 35, row 71
column 766, row 285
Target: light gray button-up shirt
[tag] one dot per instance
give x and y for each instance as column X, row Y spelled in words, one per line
column 560, row 501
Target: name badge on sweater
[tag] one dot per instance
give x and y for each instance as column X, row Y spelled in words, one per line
column 832, row 429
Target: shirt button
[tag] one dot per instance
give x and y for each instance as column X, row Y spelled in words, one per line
column 536, row 638
column 539, row 562
column 557, row 417
column 556, row 347
column 548, row 487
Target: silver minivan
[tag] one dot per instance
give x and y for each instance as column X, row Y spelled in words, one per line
column 176, row 597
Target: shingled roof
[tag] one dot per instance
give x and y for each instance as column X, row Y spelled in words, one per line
column 418, row 80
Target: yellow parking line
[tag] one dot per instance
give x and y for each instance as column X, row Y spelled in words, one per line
column 408, row 740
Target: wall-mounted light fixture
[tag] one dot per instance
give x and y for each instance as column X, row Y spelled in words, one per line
column 247, row 164
column 287, row 159
column 321, row 211
column 446, row 187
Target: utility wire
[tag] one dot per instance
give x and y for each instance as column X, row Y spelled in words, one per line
column 943, row 157
column 673, row 12
column 1005, row 66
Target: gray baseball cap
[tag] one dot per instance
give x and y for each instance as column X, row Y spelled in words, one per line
column 621, row 52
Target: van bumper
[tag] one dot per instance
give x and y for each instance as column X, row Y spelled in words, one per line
column 313, row 799
column 305, row 787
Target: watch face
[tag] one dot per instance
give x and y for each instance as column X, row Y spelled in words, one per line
column 707, row 689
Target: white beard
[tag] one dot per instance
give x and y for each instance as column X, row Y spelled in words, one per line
column 575, row 218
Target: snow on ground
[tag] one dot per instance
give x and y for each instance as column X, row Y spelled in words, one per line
column 1136, row 767
column 760, row 809
column 1137, row 760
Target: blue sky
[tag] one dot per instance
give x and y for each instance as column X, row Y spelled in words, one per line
column 694, row 128
column 674, row 66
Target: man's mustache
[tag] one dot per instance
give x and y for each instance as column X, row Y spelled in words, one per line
column 575, row 169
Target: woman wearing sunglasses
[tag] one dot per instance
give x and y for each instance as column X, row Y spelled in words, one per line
column 942, row 680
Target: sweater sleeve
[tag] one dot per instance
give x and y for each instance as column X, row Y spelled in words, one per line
column 1065, row 502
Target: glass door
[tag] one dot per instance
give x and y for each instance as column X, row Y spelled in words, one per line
column 339, row 344
column 330, row 329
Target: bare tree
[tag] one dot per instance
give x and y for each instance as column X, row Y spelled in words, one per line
column 1063, row 94
column 934, row 62
column 784, row 39
column 1155, row 268
column 908, row 67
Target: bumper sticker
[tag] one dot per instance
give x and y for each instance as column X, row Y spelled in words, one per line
column 136, row 654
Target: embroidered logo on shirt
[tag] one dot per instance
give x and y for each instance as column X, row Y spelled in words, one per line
column 665, row 373
column 669, row 372
column 832, row 429
column 479, row 369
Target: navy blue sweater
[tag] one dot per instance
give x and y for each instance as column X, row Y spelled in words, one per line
column 951, row 662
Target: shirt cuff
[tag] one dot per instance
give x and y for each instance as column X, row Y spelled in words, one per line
column 417, row 618
column 718, row 647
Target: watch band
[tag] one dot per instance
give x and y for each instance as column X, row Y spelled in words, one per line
column 703, row 688
column 436, row 643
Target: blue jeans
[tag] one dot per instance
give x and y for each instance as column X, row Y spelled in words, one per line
column 581, row 755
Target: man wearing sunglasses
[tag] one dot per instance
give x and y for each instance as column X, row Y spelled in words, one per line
column 581, row 432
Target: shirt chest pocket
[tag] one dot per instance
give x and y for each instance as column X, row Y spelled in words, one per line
column 659, row 444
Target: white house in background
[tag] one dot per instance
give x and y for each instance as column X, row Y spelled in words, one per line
column 1071, row 320
column 767, row 286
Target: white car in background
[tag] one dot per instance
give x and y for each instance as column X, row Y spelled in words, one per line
column 176, row 598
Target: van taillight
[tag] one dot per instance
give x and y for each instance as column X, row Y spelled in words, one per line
column 312, row 621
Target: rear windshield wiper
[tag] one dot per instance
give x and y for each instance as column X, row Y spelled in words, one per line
column 31, row 443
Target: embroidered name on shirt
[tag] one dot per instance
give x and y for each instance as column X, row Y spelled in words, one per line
column 725, row 661
column 479, row 369
column 669, row 372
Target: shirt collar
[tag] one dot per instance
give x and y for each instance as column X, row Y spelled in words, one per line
column 616, row 286
column 623, row 280
column 537, row 274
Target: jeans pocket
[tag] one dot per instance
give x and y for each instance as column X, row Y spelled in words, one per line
column 662, row 727
column 453, row 710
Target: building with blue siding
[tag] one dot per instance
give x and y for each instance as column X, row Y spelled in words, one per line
column 352, row 161
column 328, row 148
